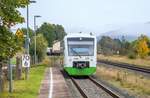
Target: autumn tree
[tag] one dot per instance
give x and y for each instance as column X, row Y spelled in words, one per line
column 142, row 46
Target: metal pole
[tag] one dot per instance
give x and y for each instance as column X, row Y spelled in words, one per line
column 10, row 77
column 27, row 38
column 27, row 29
column 35, row 28
column 27, row 43
column 35, row 39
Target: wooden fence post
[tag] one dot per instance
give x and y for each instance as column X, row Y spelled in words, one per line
column 1, row 78
column 18, row 68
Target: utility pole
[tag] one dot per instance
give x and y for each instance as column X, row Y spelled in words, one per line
column 10, row 73
column 27, row 43
column 35, row 28
column 27, row 40
column 10, row 76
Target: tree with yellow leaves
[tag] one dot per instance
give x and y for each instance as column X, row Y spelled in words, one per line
column 142, row 46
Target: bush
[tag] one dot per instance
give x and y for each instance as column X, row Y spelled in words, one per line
column 47, row 61
column 132, row 56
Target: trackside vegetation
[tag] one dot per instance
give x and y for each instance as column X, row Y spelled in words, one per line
column 135, row 52
column 27, row 88
column 135, row 84
column 139, row 48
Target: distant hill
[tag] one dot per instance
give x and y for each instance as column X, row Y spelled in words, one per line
column 130, row 32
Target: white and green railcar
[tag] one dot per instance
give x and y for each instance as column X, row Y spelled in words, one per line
column 80, row 52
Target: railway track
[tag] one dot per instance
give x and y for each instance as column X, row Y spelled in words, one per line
column 90, row 88
column 127, row 66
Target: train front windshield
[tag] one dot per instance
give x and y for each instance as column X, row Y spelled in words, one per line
column 80, row 46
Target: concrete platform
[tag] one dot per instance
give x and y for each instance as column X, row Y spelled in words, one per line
column 53, row 85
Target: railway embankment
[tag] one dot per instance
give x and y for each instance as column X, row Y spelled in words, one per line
column 133, row 83
column 123, row 59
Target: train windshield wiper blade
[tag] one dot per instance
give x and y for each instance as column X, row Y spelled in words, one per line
column 76, row 52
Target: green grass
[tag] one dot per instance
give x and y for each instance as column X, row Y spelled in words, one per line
column 132, row 82
column 27, row 88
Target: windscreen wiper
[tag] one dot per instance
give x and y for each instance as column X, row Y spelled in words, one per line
column 76, row 52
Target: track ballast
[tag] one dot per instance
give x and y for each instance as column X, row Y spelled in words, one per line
column 90, row 88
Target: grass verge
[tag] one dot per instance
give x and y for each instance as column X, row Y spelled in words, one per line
column 27, row 88
column 133, row 83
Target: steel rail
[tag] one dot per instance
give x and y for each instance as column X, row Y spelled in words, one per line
column 79, row 89
column 105, row 88
column 101, row 86
column 127, row 66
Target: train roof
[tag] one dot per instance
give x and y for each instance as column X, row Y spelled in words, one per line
column 80, row 35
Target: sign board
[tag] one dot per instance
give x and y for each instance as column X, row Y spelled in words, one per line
column 26, row 60
column 19, row 33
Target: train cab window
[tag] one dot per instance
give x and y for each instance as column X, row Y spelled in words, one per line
column 80, row 46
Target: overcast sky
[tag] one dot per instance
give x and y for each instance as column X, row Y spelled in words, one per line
column 97, row 16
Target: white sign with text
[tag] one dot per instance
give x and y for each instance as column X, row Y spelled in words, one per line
column 26, row 60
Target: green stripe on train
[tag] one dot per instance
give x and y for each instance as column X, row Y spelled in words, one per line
column 84, row 71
